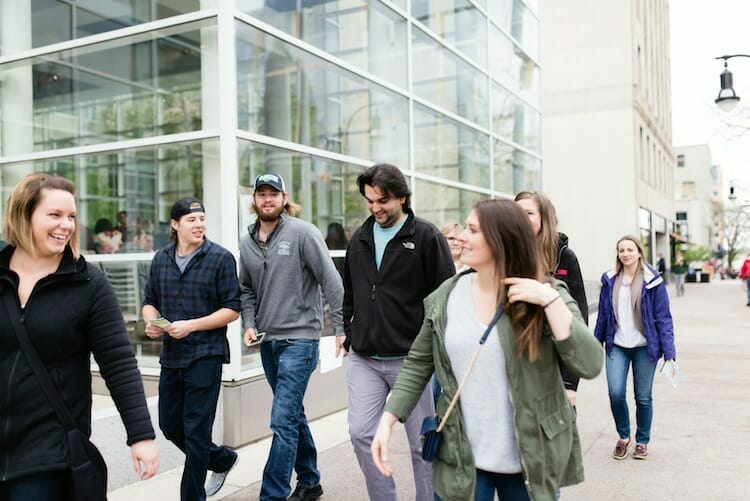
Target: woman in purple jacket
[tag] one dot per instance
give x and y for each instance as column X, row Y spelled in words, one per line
column 635, row 324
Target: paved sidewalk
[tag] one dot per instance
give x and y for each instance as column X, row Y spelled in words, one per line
column 698, row 449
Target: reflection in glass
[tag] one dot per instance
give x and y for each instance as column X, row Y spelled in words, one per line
column 458, row 22
column 442, row 204
column 289, row 94
column 515, row 120
column 514, row 170
column 450, row 150
column 112, row 91
column 446, row 80
column 54, row 21
column 525, row 29
column 366, row 34
column 512, row 68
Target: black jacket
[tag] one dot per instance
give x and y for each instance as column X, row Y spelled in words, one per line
column 383, row 308
column 569, row 271
column 69, row 314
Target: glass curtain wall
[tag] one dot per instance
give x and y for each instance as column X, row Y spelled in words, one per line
column 125, row 99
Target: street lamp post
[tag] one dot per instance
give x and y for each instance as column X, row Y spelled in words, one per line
column 727, row 99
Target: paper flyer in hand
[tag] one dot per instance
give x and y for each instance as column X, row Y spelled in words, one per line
column 671, row 371
column 328, row 359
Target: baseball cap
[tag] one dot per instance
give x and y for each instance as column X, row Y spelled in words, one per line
column 186, row 206
column 269, row 179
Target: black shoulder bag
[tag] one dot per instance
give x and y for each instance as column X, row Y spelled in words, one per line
column 432, row 426
column 87, row 478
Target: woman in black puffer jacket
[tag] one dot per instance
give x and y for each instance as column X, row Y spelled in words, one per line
column 69, row 311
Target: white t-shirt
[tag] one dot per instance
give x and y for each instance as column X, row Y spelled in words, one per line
column 627, row 335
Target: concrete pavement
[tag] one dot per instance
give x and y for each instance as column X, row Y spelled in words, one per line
column 699, row 434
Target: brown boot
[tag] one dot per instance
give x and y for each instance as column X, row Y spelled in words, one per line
column 621, row 449
column 640, row 452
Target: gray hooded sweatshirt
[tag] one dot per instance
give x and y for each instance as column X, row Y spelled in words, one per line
column 281, row 284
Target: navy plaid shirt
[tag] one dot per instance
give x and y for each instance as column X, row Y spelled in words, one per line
column 208, row 284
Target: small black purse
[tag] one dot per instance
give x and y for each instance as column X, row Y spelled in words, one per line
column 432, row 426
column 87, row 479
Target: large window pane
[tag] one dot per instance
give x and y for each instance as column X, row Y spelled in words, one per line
column 442, row 204
column 443, row 78
column 512, row 68
column 501, row 13
column 450, row 150
column 364, row 33
column 289, row 94
column 458, row 22
column 525, row 29
column 326, row 191
column 54, row 21
column 515, row 120
column 514, row 170
column 142, row 86
column 123, row 202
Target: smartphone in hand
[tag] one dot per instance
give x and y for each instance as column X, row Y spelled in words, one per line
column 258, row 340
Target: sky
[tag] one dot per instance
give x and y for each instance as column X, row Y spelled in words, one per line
column 699, row 32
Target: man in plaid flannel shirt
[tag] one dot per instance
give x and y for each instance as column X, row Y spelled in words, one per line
column 193, row 286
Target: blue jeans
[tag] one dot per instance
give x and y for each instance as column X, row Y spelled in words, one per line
column 187, row 407
column 288, row 364
column 618, row 365
column 747, row 289
column 48, row 486
column 508, row 486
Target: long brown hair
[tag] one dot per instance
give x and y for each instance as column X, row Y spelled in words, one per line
column 547, row 239
column 22, row 202
column 512, row 243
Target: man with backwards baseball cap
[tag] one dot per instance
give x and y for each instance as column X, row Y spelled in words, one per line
column 284, row 264
column 191, row 295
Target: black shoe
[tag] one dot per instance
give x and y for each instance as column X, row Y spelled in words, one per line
column 306, row 493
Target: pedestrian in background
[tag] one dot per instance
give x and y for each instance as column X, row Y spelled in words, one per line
column 284, row 267
column 193, row 287
column 679, row 270
column 451, row 232
column 661, row 266
column 745, row 275
column 557, row 259
column 635, row 324
column 69, row 311
column 393, row 261
column 515, row 434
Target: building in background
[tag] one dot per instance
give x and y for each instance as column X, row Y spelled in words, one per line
column 608, row 156
column 698, row 197
column 143, row 102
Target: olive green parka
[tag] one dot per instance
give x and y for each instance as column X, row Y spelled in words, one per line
column 545, row 422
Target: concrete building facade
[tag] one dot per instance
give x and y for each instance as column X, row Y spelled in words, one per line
column 607, row 132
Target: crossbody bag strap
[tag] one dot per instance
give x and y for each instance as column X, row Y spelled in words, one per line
column 490, row 326
column 37, row 365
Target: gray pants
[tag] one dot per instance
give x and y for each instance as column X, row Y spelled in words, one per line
column 369, row 383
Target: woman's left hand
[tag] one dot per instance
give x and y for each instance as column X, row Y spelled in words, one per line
column 529, row 290
column 145, row 452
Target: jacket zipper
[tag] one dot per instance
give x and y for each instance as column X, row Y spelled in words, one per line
column 6, row 428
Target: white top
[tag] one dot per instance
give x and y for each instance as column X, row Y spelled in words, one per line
column 627, row 335
column 484, row 400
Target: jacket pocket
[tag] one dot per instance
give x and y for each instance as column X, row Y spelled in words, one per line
column 554, row 424
column 557, row 442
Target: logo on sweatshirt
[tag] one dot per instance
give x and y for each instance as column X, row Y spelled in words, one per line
column 284, row 248
column 409, row 245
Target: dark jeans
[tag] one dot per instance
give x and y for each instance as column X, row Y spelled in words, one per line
column 510, row 487
column 187, row 407
column 48, row 486
column 288, row 364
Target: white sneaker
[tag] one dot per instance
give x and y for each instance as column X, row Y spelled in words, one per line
column 216, row 481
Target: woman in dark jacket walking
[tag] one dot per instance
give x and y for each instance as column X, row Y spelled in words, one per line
column 557, row 259
column 69, row 311
column 635, row 325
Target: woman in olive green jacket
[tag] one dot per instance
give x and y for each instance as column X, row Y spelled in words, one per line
column 514, row 431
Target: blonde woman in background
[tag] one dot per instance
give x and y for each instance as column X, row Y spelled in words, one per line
column 451, row 232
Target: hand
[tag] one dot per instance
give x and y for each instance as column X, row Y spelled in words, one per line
column 249, row 336
column 340, row 345
column 379, row 447
column 145, row 452
column 571, row 396
column 179, row 329
column 153, row 332
column 529, row 290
